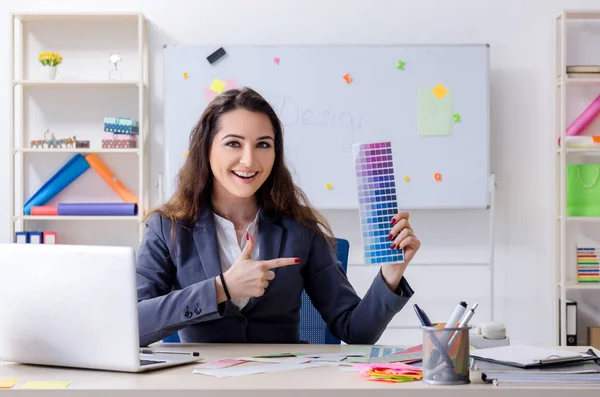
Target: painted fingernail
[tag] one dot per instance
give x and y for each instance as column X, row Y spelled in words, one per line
column 247, row 236
column 393, row 221
column 390, row 236
column 297, row 260
column 393, row 246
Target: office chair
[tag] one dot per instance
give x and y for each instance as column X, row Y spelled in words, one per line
column 312, row 327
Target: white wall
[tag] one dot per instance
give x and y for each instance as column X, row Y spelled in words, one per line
column 521, row 38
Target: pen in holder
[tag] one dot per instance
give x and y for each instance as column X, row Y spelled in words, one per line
column 446, row 364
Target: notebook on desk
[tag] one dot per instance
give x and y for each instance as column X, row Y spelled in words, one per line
column 523, row 356
column 578, row 373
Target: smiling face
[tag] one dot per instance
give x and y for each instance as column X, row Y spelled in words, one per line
column 242, row 153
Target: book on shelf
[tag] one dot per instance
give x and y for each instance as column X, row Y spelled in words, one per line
column 588, row 266
column 583, row 141
column 583, row 69
column 583, row 75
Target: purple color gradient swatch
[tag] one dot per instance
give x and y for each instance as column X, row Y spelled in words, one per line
column 377, row 202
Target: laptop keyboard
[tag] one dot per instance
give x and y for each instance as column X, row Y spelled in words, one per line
column 148, row 362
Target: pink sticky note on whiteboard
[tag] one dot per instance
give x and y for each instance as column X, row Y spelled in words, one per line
column 209, row 94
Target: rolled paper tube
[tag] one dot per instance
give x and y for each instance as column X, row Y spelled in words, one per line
column 584, row 118
column 45, row 210
column 67, row 174
column 108, row 177
column 98, row 209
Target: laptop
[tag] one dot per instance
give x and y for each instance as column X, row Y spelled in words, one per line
column 73, row 306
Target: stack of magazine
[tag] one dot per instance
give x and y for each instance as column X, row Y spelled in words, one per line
column 534, row 365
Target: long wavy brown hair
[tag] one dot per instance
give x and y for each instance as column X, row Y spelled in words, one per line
column 278, row 195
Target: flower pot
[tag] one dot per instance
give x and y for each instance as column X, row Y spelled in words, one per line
column 49, row 72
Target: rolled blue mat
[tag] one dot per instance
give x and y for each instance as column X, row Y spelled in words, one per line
column 99, row 209
column 67, row 174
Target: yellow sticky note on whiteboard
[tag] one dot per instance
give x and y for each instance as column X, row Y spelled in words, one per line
column 217, row 86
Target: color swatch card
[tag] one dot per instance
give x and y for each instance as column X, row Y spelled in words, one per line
column 377, row 201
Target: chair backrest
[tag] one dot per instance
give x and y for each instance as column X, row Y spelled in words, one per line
column 312, row 327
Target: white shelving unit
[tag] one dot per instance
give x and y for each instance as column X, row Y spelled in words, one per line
column 85, row 40
column 565, row 263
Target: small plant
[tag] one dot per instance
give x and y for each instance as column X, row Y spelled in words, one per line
column 50, row 58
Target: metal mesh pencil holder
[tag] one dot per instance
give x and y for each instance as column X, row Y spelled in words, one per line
column 446, row 355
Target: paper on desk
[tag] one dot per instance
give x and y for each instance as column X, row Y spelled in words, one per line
column 291, row 360
column 333, row 356
column 393, row 358
column 45, row 385
column 8, row 383
column 414, row 349
column 277, row 355
column 255, row 369
column 220, row 364
column 327, row 359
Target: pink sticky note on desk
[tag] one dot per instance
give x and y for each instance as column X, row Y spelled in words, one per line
column 209, row 94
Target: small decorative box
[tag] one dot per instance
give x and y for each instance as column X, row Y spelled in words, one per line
column 118, row 125
column 82, row 144
column 119, row 141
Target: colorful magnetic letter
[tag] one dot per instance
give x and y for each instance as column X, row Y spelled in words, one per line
column 437, row 176
column 347, row 78
column 440, row 91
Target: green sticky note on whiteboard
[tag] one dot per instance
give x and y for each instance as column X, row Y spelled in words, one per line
column 435, row 112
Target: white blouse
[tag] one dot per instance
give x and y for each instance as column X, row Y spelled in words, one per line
column 230, row 249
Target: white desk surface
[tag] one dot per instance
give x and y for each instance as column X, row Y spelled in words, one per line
column 326, row 381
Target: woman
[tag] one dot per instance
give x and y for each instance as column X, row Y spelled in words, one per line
column 227, row 257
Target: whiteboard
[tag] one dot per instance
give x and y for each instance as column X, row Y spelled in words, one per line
column 430, row 101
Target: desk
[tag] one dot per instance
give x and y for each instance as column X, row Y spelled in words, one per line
column 314, row 382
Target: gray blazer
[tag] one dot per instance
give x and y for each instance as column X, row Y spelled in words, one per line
column 176, row 288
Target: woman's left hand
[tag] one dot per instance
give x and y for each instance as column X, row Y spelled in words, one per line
column 402, row 236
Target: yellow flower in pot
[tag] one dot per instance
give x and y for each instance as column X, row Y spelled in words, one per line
column 49, row 62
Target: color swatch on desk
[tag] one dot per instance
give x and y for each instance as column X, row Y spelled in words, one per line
column 377, row 201
column 588, row 266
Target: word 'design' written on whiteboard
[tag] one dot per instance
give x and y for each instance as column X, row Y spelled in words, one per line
column 430, row 102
